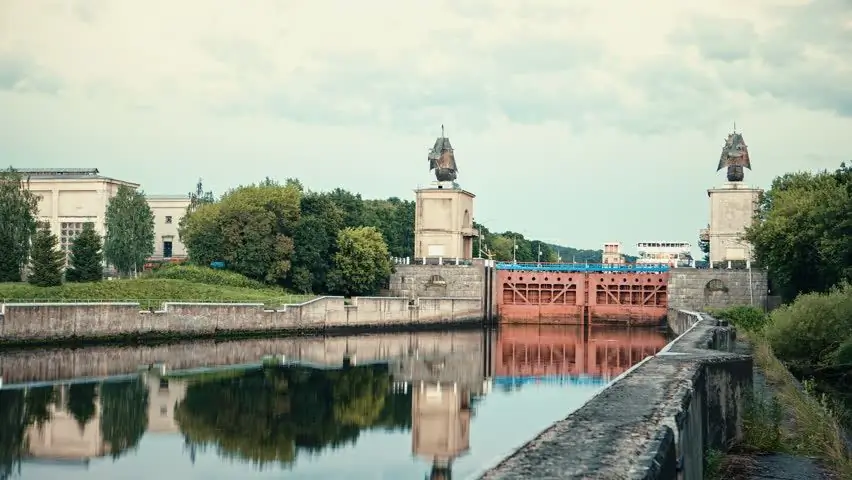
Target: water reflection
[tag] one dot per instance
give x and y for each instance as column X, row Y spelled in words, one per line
column 346, row 394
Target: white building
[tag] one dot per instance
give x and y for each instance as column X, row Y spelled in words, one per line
column 168, row 211
column 71, row 197
column 612, row 253
column 675, row 254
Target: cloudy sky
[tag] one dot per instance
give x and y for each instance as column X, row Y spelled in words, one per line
column 576, row 122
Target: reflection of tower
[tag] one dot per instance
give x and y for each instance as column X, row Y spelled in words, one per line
column 440, row 429
column 163, row 396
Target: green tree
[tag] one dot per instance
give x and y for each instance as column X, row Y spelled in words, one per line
column 129, row 230
column 362, row 263
column 47, row 260
column 394, row 218
column 201, row 233
column 18, row 222
column 250, row 229
column 257, row 224
column 86, row 260
column 704, row 246
column 801, row 233
column 352, row 205
column 198, row 198
column 314, row 242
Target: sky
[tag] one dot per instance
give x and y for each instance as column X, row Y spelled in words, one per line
column 574, row 122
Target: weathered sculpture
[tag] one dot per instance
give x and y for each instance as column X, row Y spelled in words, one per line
column 442, row 160
column 735, row 157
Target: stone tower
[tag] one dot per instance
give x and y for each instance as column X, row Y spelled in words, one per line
column 732, row 205
column 443, row 220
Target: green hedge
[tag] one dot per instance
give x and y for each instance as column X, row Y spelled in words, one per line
column 206, row 275
column 816, row 329
column 746, row 317
column 149, row 292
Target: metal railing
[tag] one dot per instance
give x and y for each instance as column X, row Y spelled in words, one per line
column 585, row 267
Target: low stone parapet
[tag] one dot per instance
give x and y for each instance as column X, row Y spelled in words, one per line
column 656, row 420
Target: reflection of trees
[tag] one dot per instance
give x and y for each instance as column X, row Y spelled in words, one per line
column 269, row 415
column 124, row 414
column 38, row 402
column 18, row 410
column 13, row 427
column 81, row 402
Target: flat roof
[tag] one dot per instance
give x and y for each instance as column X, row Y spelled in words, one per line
column 69, row 174
column 168, row 197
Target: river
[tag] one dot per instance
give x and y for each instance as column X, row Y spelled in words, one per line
column 380, row 406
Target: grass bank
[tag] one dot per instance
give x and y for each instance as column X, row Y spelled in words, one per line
column 149, row 292
column 784, row 415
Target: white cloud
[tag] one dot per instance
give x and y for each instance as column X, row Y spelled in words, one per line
column 550, row 103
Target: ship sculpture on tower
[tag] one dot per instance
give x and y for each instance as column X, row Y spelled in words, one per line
column 734, row 156
column 442, row 160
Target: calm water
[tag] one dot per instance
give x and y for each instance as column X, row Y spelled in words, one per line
column 389, row 406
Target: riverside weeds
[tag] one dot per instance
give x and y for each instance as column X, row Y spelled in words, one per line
column 814, row 429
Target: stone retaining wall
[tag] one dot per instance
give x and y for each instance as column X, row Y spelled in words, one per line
column 656, row 421
column 437, row 281
column 34, row 322
column 698, row 289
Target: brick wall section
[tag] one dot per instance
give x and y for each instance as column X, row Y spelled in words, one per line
column 695, row 289
column 460, row 281
column 23, row 366
column 57, row 321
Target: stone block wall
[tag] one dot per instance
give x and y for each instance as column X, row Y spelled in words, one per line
column 698, row 289
column 44, row 322
column 460, row 281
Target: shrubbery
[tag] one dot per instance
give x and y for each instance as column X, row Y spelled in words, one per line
column 205, row 275
column 746, row 317
column 148, row 291
column 812, row 329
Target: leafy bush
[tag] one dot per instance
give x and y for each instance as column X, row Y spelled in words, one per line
column 812, row 329
column 148, row 292
column 205, row 275
column 746, row 317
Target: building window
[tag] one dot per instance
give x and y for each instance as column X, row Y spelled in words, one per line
column 168, row 219
column 68, row 231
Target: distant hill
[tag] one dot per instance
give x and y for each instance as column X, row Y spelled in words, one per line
column 580, row 255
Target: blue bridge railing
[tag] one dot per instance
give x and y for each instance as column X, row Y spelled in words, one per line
column 585, row 267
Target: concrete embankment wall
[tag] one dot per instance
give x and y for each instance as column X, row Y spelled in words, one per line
column 656, row 421
column 34, row 322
